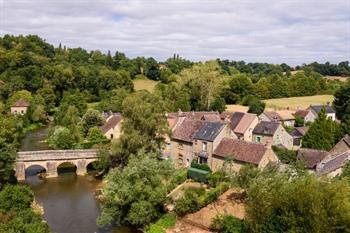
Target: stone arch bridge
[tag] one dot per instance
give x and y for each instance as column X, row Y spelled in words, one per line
column 50, row 160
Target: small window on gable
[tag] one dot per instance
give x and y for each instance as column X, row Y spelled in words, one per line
column 112, row 136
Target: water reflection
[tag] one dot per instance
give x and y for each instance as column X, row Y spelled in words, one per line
column 69, row 202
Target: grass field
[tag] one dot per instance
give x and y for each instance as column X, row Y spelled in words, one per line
column 294, row 103
column 236, row 108
column 144, row 84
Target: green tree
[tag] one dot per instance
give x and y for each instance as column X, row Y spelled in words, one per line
column 114, row 101
column 256, row 106
column 144, row 126
column 227, row 224
column 95, row 135
column 174, row 96
column 341, row 102
column 323, row 133
column 91, row 119
column 61, row 138
column 280, row 203
column 135, row 195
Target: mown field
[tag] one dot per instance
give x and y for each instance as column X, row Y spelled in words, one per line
column 294, row 103
column 144, row 84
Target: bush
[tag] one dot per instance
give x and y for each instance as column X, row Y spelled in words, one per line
column 202, row 166
column 246, row 175
column 213, row 194
column 227, row 224
column 165, row 222
column 15, row 197
column 286, row 156
column 179, row 177
column 189, row 202
column 216, row 178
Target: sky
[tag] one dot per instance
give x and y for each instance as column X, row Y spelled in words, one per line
column 274, row 31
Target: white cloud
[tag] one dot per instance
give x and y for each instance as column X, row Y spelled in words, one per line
column 263, row 30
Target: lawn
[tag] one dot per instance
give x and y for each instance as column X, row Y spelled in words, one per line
column 294, row 103
column 144, row 84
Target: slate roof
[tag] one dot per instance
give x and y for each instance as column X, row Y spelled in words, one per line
column 111, row 122
column 209, row 131
column 244, row 123
column 186, row 129
column 311, row 157
column 333, row 163
column 242, row 151
column 298, row 132
column 317, row 108
column 21, row 103
column 266, row 128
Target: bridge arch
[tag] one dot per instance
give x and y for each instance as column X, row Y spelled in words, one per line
column 66, row 166
column 51, row 160
column 34, row 169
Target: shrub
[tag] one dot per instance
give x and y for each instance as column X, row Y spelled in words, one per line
column 179, row 177
column 202, row 166
column 245, row 175
column 189, row 202
column 216, row 178
column 165, row 222
column 15, row 197
column 213, row 194
column 285, row 155
column 227, row 224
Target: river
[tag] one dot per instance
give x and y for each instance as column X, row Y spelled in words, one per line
column 69, row 200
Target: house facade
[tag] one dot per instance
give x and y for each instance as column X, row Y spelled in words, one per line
column 268, row 131
column 243, row 124
column 298, row 133
column 242, row 153
column 207, row 138
column 20, row 107
column 315, row 109
column 112, row 128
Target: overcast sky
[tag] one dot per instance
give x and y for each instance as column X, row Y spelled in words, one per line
column 273, row 31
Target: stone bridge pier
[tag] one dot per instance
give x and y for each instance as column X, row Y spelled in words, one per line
column 51, row 160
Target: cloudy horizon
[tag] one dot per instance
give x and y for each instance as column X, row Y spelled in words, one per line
column 293, row 32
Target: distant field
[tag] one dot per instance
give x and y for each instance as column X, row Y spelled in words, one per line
column 294, row 103
column 144, row 84
column 236, row 108
column 339, row 78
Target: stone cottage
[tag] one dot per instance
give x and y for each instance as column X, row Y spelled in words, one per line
column 243, row 124
column 274, row 132
column 112, row 128
column 20, row 107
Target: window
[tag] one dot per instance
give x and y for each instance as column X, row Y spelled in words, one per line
column 112, row 136
column 258, row 139
column 180, row 160
column 204, row 146
column 22, row 111
column 181, row 146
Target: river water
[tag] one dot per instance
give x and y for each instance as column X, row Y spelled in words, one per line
column 69, row 200
column 69, row 203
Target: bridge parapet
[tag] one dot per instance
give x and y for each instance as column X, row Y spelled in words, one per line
column 47, row 155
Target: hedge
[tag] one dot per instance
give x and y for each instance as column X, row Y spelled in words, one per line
column 198, row 174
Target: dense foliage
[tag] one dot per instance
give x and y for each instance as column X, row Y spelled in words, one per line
column 341, row 105
column 323, row 133
column 279, row 203
column 135, row 194
column 227, row 224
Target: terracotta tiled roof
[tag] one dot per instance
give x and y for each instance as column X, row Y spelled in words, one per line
column 235, row 119
column 273, row 116
column 266, row 128
column 21, row 103
column 301, row 113
column 111, row 123
column 281, row 115
column 311, row 157
column 186, row 129
column 172, row 122
column 244, row 123
column 242, row 151
column 209, row 131
column 208, row 116
column 334, row 163
column 211, row 117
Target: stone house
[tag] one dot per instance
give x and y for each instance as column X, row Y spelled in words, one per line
column 342, row 146
column 306, row 115
column 112, row 128
column 243, row 153
column 285, row 117
column 298, row 133
column 207, row 138
column 315, row 109
column 269, row 131
column 332, row 165
column 243, row 124
column 311, row 157
column 182, row 141
column 20, row 107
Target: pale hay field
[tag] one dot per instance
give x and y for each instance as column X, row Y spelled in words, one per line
column 144, row 84
column 294, row 103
